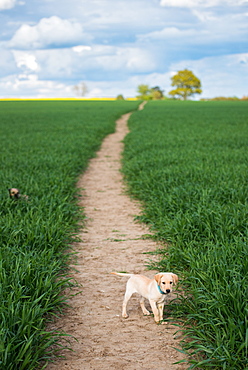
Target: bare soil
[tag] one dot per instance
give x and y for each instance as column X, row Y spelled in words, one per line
column 112, row 241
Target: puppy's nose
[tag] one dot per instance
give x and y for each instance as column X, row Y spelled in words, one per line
column 167, row 290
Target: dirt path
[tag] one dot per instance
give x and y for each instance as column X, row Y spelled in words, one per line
column 112, row 241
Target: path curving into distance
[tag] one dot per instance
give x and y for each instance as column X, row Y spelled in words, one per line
column 112, row 241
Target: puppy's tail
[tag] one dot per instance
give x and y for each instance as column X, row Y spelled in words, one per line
column 121, row 274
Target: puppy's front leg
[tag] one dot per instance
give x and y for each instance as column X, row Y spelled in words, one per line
column 155, row 311
column 161, row 311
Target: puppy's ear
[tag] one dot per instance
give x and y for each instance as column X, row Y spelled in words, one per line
column 175, row 278
column 157, row 277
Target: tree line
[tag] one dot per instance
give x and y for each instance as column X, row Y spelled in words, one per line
column 185, row 82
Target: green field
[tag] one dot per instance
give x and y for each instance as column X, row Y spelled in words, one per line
column 187, row 162
column 45, row 145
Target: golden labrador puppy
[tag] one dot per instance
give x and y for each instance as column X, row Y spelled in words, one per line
column 155, row 290
column 15, row 194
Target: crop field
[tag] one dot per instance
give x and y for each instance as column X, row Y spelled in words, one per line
column 45, row 145
column 187, row 162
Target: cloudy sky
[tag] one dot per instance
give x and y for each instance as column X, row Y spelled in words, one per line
column 49, row 46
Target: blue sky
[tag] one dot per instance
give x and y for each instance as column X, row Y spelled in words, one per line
column 49, row 46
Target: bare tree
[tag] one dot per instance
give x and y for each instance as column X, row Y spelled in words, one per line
column 80, row 89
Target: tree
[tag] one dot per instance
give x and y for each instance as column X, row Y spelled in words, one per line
column 144, row 92
column 80, row 89
column 147, row 93
column 157, row 93
column 120, row 97
column 187, row 84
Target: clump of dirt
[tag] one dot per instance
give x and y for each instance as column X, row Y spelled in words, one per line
column 112, row 241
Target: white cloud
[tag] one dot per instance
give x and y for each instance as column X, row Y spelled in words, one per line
column 25, row 60
column 29, row 86
column 201, row 3
column 7, row 4
column 85, row 62
column 182, row 3
column 80, row 48
column 204, row 16
column 209, row 29
column 170, row 33
column 49, row 32
column 123, row 58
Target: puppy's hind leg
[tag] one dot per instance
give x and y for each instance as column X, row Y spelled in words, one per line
column 127, row 296
column 142, row 305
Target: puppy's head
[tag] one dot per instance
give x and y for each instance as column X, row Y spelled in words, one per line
column 14, row 193
column 166, row 280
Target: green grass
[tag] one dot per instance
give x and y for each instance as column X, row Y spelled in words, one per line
column 45, row 146
column 187, row 162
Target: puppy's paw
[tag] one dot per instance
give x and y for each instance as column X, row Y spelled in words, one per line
column 157, row 321
column 146, row 313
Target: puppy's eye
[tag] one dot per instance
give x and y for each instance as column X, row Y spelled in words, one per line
column 163, row 282
column 171, row 282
